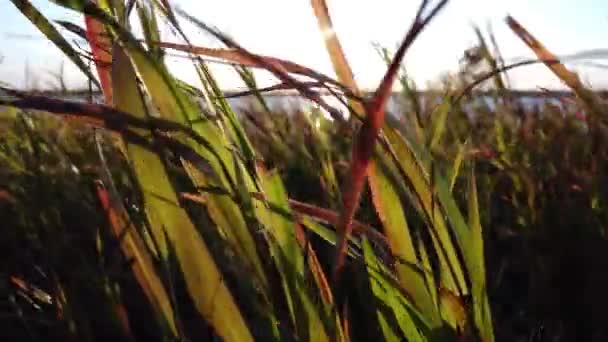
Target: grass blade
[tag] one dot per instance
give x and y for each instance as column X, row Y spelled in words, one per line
column 398, row 234
column 366, row 138
column 481, row 307
column 552, row 62
column 251, row 60
column 289, row 258
column 100, row 47
column 175, row 105
column 438, row 123
column 452, row 275
column 335, row 51
column 134, row 249
column 213, row 300
column 390, row 297
column 276, row 70
column 30, row 12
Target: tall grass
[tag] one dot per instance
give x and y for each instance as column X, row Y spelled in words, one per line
column 151, row 216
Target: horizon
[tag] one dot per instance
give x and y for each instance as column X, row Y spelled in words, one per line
column 565, row 28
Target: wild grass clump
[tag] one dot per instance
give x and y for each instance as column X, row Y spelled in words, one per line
column 164, row 214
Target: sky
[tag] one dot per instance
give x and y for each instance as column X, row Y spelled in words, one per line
column 288, row 29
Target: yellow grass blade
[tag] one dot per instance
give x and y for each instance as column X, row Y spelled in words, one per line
column 203, row 279
column 175, row 105
column 570, row 78
column 335, row 51
column 452, row 275
column 398, row 234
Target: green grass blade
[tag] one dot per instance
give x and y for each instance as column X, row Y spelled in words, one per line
column 438, row 123
column 412, row 329
column 425, row 263
column 289, row 258
column 329, row 235
column 213, row 300
column 481, row 307
column 150, row 29
column 40, row 21
column 279, row 225
column 455, row 218
column 224, row 110
column 452, row 275
column 490, row 59
column 174, row 104
column 457, row 163
column 250, row 81
column 388, row 205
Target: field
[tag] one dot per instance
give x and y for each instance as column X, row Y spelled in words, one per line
column 162, row 213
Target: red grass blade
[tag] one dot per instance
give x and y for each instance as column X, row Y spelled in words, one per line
column 270, row 65
column 251, row 60
column 366, row 139
column 321, row 214
column 100, row 47
column 315, row 266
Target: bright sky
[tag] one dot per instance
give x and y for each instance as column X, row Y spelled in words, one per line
column 288, row 29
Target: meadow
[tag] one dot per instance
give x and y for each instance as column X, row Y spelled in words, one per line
column 160, row 212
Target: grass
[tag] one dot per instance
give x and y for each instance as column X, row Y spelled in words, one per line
column 449, row 221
